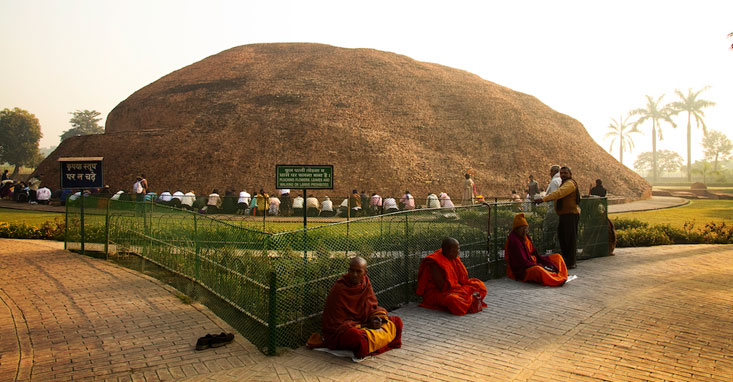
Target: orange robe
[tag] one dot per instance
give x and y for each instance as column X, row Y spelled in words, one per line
column 523, row 263
column 348, row 308
column 456, row 296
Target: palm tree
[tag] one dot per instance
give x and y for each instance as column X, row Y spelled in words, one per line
column 655, row 112
column 693, row 107
column 622, row 130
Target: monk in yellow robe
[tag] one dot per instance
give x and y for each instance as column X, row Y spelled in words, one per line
column 352, row 319
column 524, row 264
column 443, row 283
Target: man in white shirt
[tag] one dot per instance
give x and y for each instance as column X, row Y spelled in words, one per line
column 311, row 206
column 43, row 195
column 326, row 208
column 549, row 224
column 390, row 205
column 165, row 197
column 188, row 199
column 298, row 206
column 432, row 201
column 243, row 202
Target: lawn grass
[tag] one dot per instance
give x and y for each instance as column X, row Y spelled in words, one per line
column 699, row 212
column 723, row 190
column 28, row 217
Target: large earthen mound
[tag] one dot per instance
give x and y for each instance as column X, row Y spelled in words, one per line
column 386, row 122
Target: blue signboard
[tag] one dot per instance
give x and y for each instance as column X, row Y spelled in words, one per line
column 81, row 172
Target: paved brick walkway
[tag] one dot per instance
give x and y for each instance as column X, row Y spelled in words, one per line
column 646, row 314
column 66, row 317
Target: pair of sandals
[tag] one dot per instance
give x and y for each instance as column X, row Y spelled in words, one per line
column 214, row 340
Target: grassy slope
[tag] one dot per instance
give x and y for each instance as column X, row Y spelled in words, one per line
column 698, row 211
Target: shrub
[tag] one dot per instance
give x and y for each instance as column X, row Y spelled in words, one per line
column 641, row 237
column 48, row 230
column 626, row 223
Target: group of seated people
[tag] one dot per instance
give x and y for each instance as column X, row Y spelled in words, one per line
column 262, row 203
column 353, row 320
column 25, row 192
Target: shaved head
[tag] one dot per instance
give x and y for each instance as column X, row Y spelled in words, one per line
column 450, row 247
column 357, row 270
column 359, row 261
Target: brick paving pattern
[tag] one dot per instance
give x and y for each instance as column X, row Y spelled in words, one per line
column 646, row 314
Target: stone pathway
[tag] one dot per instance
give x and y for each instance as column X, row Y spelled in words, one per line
column 66, row 317
column 646, row 314
column 654, row 203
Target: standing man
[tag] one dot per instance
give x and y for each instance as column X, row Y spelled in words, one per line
column 533, row 187
column 567, row 199
column 469, row 190
column 549, row 224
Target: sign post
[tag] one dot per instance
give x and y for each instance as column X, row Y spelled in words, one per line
column 81, row 173
column 304, row 177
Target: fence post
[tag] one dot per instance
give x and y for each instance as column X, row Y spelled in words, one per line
column 494, row 250
column 197, row 247
column 407, row 260
column 106, row 231
column 272, row 316
column 83, row 252
column 66, row 226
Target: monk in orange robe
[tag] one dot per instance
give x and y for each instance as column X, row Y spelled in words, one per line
column 524, row 264
column 352, row 319
column 443, row 283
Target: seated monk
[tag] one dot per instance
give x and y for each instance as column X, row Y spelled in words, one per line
column 443, row 282
column 352, row 320
column 524, row 264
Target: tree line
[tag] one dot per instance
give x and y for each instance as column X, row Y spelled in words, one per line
column 654, row 116
column 20, row 134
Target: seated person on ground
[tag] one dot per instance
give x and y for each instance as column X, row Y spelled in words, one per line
column 311, row 205
column 326, row 208
column 432, row 201
column 445, row 201
column 355, row 203
column 524, row 264
column 352, row 318
column 43, row 195
column 165, row 197
column 298, row 205
column 443, row 283
column 243, row 202
column 188, row 199
column 274, row 206
column 390, row 205
column 214, row 202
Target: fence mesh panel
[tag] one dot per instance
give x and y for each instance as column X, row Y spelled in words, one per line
column 271, row 284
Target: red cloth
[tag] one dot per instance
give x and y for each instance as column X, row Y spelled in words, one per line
column 348, row 306
column 524, row 264
column 456, row 296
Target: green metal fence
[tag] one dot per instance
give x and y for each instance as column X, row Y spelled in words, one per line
column 275, row 284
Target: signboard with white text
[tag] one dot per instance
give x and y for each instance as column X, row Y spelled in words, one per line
column 304, row 177
column 81, row 172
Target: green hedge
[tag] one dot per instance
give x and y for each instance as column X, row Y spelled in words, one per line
column 636, row 233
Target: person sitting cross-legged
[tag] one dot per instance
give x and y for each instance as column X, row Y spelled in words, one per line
column 524, row 264
column 443, row 283
column 352, row 318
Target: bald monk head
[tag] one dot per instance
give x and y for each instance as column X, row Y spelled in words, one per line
column 450, row 248
column 357, row 270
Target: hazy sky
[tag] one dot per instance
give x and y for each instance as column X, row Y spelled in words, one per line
column 588, row 59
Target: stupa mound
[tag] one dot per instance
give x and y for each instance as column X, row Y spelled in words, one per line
column 386, row 122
